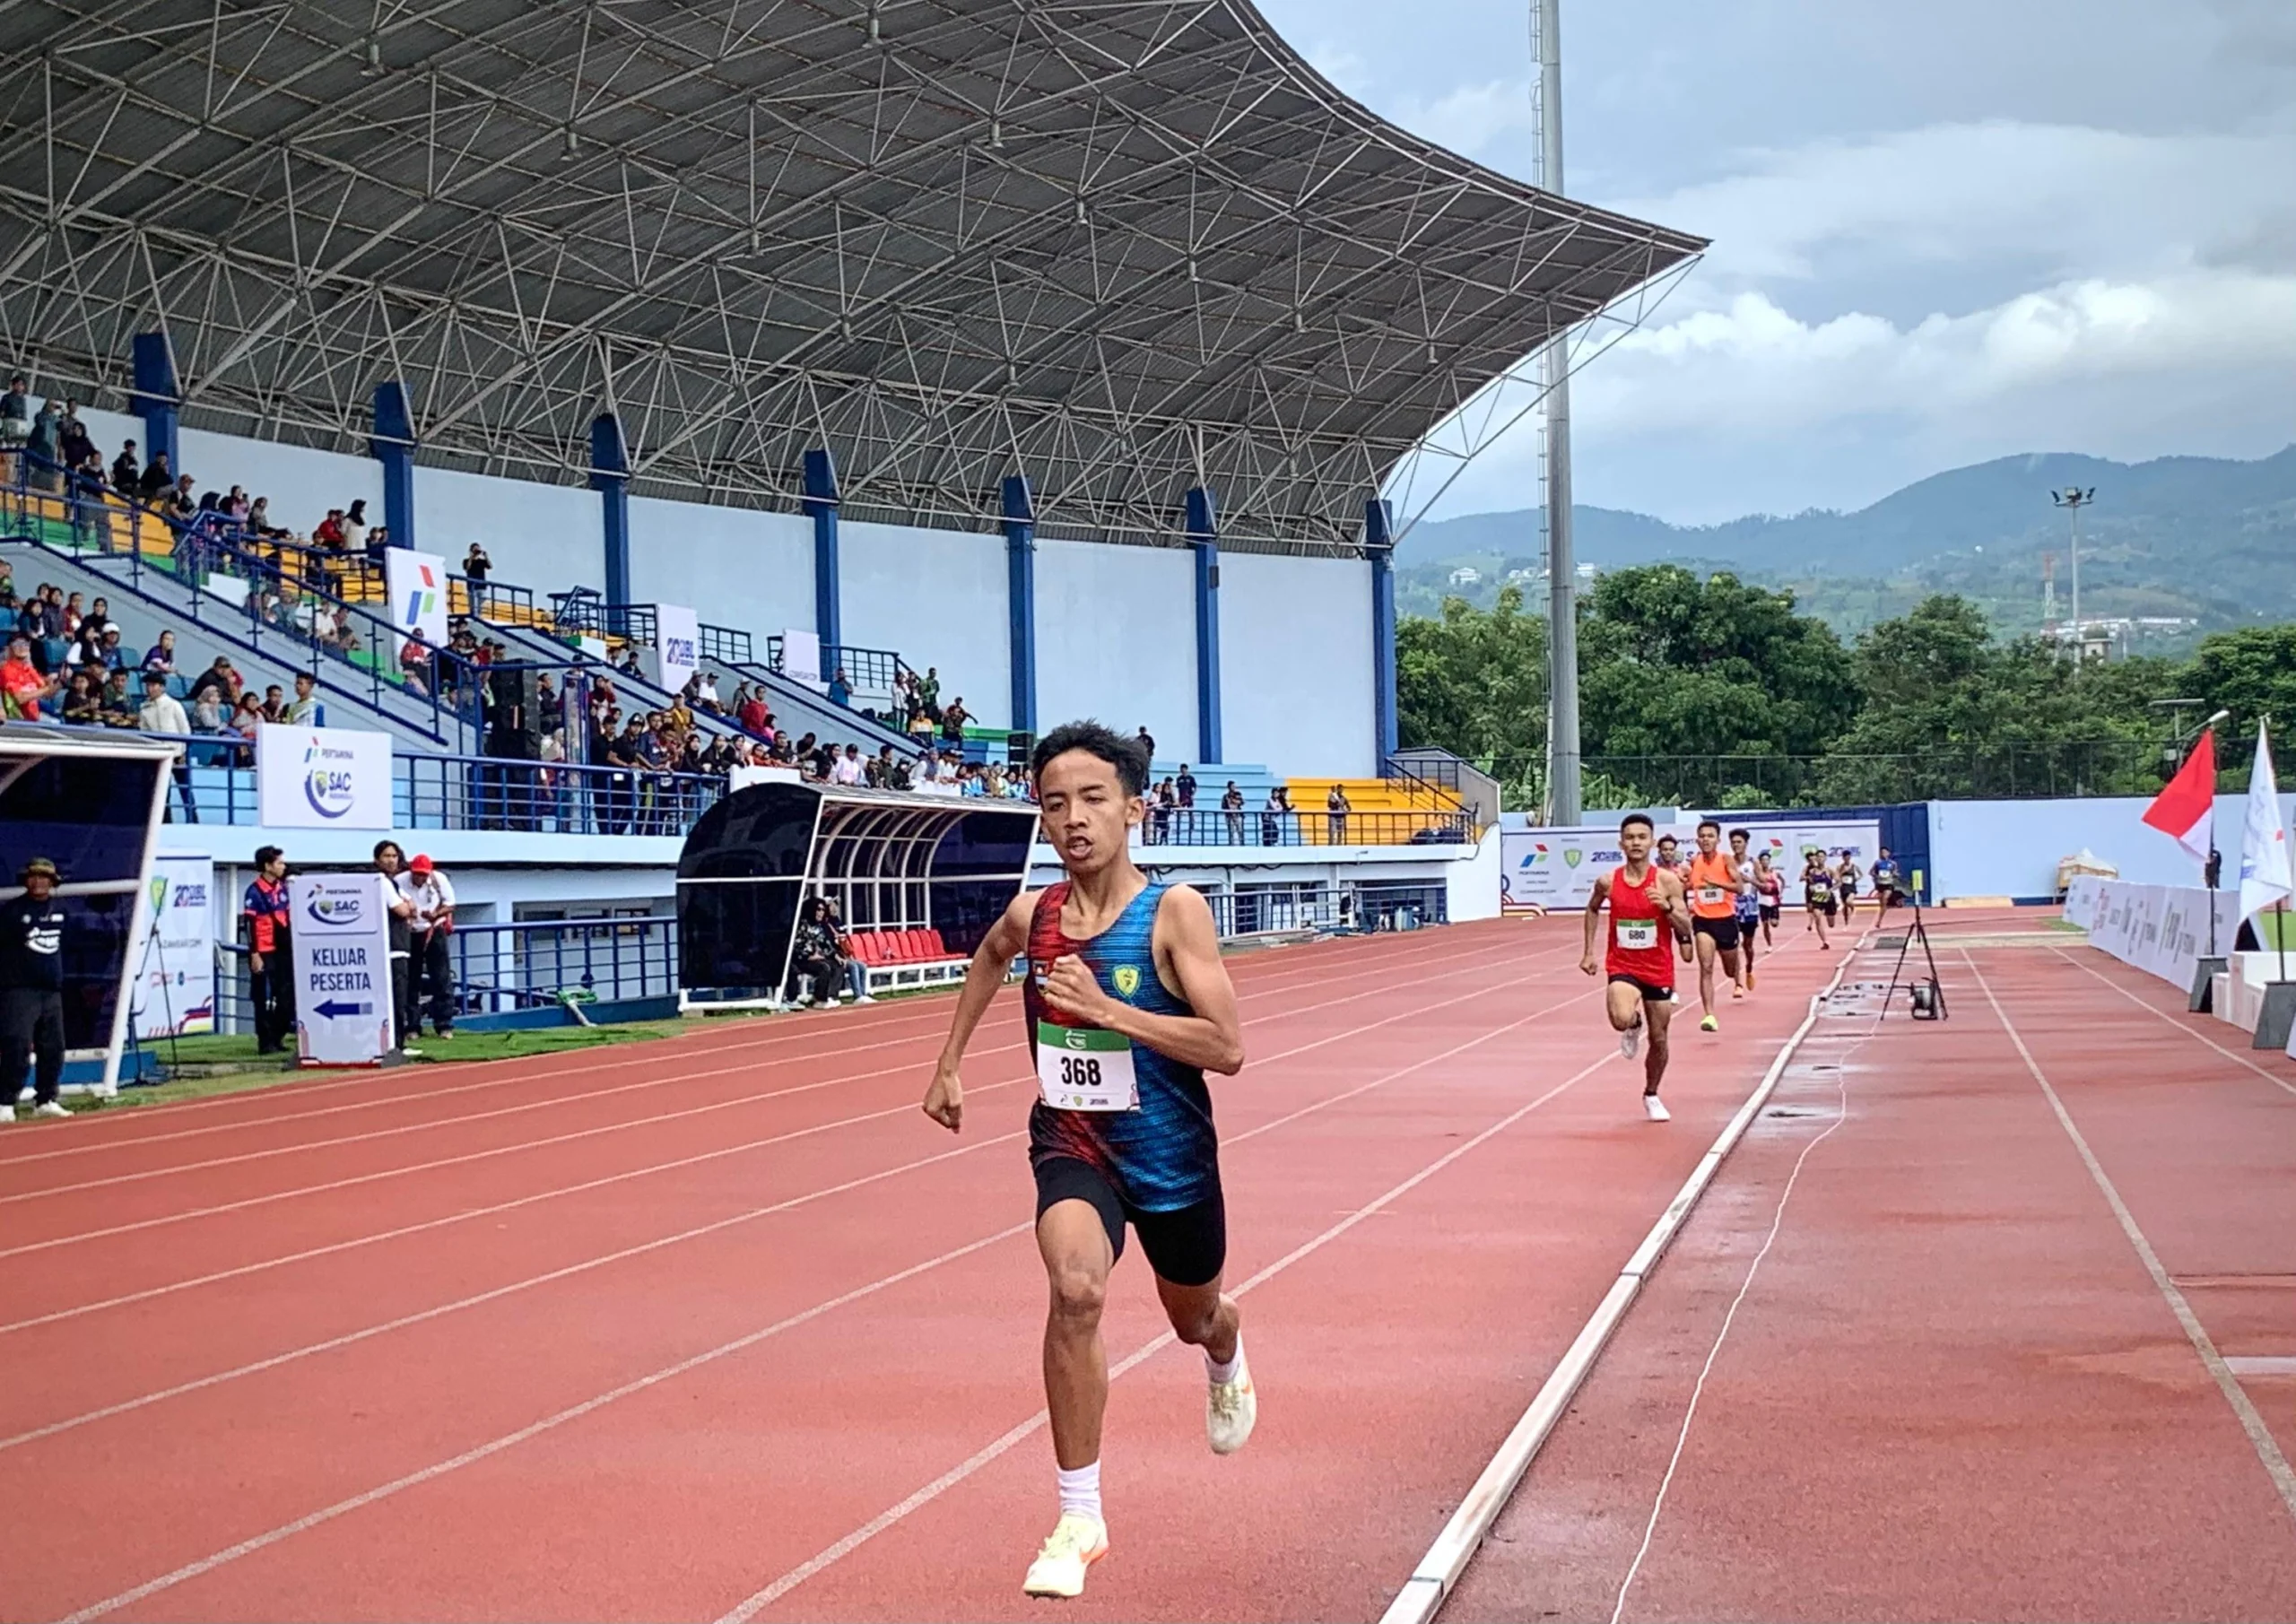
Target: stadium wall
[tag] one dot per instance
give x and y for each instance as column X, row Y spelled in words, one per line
column 737, row 567
column 938, row 596
column 1295, row 664
column 2011, row 848
column 1116, row 639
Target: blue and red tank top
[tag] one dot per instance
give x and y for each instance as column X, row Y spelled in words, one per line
column 1165, row 1155
column 1635, row 912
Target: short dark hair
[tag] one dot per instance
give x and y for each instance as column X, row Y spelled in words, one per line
column 1130, row 761
column 1742, row 834
column 1706, row 823
column 266, row 856
column 1632, row 819
column 1667, row 839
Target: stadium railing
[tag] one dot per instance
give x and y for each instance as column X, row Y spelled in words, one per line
column 1196, row 826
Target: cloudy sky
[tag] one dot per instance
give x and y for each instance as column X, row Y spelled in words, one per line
column 1942, row 233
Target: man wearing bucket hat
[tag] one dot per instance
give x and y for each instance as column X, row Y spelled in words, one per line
column 31, row 994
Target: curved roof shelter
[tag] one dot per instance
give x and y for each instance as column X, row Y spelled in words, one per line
column 1123, row 249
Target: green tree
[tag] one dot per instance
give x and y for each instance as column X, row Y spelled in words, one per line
column 1475, row 682
column 2252, row 674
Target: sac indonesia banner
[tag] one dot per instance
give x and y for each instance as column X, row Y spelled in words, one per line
column 322, row 778
column 1556, row 868
column 174, row 994
column 416, row 583
column 343, row 968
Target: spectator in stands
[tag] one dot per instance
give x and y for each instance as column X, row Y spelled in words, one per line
column 1167, row 803
column 1147, row 741
column 338, row 631
column 622, row 753
column 42, row 445
column 953, row 720
column 271, row 979
column 415, row 667
column 706, row 697
column 235, row 506
column 119, row 702
column 73, row 613
column 183, row 504
column 919, row 725
column 848, row 770
column 158, row 480
column 354, row 528
column 1231, row 801
column 74, row 445
column 107, row 651
column 274, row 703
column 82, row 705
column 824, row 761
column 221, row 677
column 246, row 722
column 550, row 707
column 1184, row 786
column 259, row 523
column 840, row 691
column 328, row 532
column 1274, row 816
column 1336, row 805
column 210, row 711
column 929, row 691
column 127, row 470
column 815, row 966
column 161, row 656
column 432, row 921
column 15, row 418
column 22, row 687
column 476, row 564
column 161, row 712
column 631, row 666
column 303, row 709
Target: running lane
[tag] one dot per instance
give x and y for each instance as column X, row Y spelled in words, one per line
column 1430, row 1206
column 1953, row 1387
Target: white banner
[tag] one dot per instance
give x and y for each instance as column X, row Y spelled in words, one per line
column 322, row 778
column 416, row 584
column 677, row 645
column 801, row 658
column 1554, row 868
column 174, row 994
column 1787, row 842
column 2162, row 930
column 742, row 778
column 343, row 968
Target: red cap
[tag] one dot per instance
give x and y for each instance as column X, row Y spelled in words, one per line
column 420, row 865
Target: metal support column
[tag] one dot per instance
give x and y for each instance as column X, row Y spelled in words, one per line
column 820, row 501
column 610, row 478
column 1204, row 541
column 393, row 445
column 1563, row 797
column 154, row 397
column 1379, row 547
column 1020, row 598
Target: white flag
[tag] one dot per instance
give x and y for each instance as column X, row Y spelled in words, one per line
column 2263, row 840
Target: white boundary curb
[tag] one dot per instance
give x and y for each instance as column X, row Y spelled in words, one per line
column 1423, row 1594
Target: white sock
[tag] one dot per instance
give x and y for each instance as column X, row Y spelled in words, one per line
column 1079, row 1491
column 1219, row 1372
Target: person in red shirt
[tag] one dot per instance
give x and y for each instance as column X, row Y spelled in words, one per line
column 271, row 969
column 21, row 685
column 1649, row 927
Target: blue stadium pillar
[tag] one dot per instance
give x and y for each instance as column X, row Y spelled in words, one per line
column 154, row 396
column 1203, row 540
column 610, row 478
column 1379, row 547
column 820, row 501
column 393, row 445
column 1020, row 596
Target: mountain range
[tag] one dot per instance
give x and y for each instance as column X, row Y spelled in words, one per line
column 2209, row 540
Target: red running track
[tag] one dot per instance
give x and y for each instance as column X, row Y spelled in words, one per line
column 724, row 1325
column 2024, row 1345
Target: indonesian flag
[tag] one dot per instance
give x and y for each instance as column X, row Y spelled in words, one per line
column 2181, row 811
column 2264, row 877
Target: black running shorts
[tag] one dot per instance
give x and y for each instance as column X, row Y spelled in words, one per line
column 1188, row 1247
column 1650, row 994
column 1724, row 932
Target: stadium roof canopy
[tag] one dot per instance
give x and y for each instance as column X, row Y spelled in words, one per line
column 1120, row 246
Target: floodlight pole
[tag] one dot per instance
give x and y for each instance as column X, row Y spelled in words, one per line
column 1563, row 807
column 2072, row 499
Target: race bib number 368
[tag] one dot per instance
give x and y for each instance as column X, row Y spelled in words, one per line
column 1085, row 1069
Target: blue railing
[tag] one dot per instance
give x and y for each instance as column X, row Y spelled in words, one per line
column 866, row 670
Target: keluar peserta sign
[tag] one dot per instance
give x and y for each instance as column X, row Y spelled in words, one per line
column 322, row 778
column 343, row 968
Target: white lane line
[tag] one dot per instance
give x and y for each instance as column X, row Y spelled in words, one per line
column 2260, row 1364
column 1431, row 1581
column 346, row 1339
column 611, row 1058
column 247, row 1547
column 1698, row 1388
column 2260, row 1438
column 356, row 1180
column 755, row 1603
column 2194, row 1032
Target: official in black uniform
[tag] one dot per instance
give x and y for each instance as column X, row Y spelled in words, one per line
column 31, row 994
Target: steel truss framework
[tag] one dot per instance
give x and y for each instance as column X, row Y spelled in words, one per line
column 1124, row 247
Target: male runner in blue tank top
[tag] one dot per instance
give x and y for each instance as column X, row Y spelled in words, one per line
column 1127, row 1005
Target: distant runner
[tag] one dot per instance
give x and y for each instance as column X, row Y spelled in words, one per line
column 1885, row 881
column 1845, row 878
column 1714, row 918
column 1670, row 857
column 1817, row 894
column 1648, row 925
column 1127, row 1006
column 1770, row 886
column 1749, row 905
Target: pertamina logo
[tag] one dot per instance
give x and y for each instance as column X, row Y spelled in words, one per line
column 335, row 911
column 422, row 597
column 1535, row 857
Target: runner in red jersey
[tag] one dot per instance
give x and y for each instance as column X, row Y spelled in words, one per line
column 1649, row 925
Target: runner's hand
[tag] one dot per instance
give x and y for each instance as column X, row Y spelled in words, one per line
column 1588, row 964
column 1071, row 989
column 944, row 1101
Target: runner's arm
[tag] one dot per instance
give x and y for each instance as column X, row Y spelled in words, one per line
column 1595, row 900
column 1676, row 902
column 1007, row 939
column 1213, row 1037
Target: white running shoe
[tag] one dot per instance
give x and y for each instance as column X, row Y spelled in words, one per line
column 864, row 998
column 1231, row 1411
column 1077, row 1542
column 50, row 1107
column 1655, row 1108
column 7, row 1113
column 1630, row 1041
